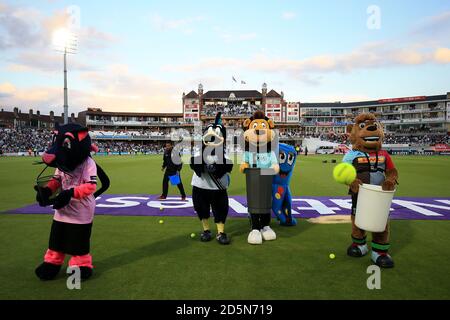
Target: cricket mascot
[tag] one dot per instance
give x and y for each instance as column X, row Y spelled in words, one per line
column 281, row 193
column 373, row 166
column 210, row 181
column 260, row 142
column 72, row 192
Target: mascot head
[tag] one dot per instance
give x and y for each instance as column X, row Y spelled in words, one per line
column 215, row 134
column 70, row 147
column 286, row 160
column 366, row 134
column 258, row 129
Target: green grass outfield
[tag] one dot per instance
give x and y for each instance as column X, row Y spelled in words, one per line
column 138, row 258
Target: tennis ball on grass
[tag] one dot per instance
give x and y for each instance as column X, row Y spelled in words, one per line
column 332, row 256
column 192, row 235
column 161, row 221
column 344, row 173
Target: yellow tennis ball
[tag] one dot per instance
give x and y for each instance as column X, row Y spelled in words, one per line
column 332, row 256
column 161, row 221
column 344, row 173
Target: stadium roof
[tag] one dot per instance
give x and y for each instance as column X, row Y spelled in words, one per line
column 21, row 116
column 239, row 94
column 410, row 100
column 273, row 94
column 192, row 95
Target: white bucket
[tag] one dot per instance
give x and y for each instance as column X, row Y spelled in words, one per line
column 372, row 210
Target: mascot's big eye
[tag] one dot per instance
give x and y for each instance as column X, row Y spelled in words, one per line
column 291, row 158
column 282, row 157
column 218, row 131
column 263, row 125
column 362, row 125
column 255, row 125
column 67, row 143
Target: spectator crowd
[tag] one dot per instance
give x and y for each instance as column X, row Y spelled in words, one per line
column 229, row 109
column 24, row 140
column 34, row 141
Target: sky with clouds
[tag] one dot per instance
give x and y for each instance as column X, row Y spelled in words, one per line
column 142, row 55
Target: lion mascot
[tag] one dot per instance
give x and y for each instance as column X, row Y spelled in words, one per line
column 259, row 138
column 373, row 166
column 72, row 193
column 281, row 192
column 210, row 181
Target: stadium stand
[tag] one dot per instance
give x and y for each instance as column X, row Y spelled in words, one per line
column 412, row 124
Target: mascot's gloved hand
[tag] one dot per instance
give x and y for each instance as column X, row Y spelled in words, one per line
column 198, row 169
column 354, row 186
column 210, row 168
column 63, row 199
column 43, row 195
column 388, row 185
column 221, row 170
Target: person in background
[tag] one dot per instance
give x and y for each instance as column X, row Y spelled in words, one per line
column 170, row 169
column 306, row 151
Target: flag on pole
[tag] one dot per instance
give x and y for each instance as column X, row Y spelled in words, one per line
column 234, row 79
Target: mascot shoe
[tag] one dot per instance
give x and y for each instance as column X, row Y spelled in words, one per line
column 268, row 234
column 255, row 237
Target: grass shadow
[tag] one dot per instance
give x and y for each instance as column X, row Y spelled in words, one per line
column 158, row 248
column 402, row 235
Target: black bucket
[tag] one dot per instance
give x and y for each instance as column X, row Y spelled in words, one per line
column 259, row 190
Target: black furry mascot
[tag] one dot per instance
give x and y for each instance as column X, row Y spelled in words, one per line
column 72, row 192
column 211, row 180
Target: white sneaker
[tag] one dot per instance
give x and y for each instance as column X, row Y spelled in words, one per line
column 268, row 234
column 254, row 237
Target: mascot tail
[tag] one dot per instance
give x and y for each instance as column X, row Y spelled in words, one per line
column 104, row 179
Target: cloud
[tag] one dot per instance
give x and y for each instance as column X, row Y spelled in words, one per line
column 308, row 70
column 44, row 98
column 114, row 88
column 288, row 15
column 18, row 27
column 442, row 55
column 28, row 28
column 229, row 36
column 45, row 62
column 206, row 64
column 184, row 25
column 434, row 25
column 118, row 88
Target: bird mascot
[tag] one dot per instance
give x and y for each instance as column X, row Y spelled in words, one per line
column 373, row 166
column 210, row 181
column 260, row 143
column 72, row 192
column 281, row 192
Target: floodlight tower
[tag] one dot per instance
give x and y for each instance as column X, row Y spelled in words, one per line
column 65, row 41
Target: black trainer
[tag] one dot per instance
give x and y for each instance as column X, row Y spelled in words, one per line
column 385, row 261
column 354, row 251
column 205, row 236
column 222, row 238
column 86, row 272
column 47, row 271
